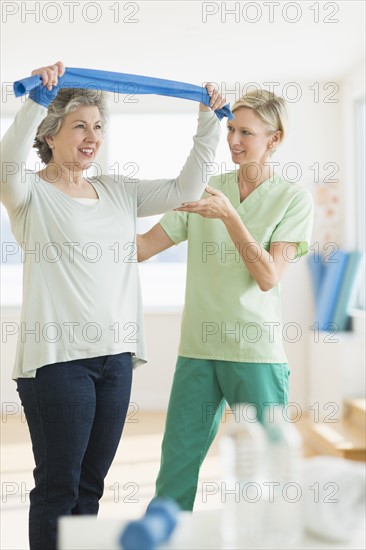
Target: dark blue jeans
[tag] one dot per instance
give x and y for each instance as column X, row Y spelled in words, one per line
column 75, row 411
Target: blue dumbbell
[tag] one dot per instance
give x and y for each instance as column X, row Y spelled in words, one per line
column 154, row 528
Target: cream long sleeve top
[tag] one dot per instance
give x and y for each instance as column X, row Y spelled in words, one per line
column 81, row 288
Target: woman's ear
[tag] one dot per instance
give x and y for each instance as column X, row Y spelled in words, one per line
column 49, row 141
column 275, row 140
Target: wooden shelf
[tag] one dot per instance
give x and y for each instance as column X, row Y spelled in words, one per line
column 345, row 438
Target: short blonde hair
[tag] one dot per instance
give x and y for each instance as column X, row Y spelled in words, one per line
column 271, row 109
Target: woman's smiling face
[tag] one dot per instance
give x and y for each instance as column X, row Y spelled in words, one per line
column 248, row 138
column 77, row 142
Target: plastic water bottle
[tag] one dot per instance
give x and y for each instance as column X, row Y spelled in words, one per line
column 284, row 522
column 243, row 452
column 154, row 528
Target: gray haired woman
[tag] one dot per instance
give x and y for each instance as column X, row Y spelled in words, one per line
column 81, row 326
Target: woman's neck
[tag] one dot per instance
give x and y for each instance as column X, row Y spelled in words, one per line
column 71, row 183
column 58, row 174
column 250, row 176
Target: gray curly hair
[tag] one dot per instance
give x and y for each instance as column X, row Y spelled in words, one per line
column 66, row 101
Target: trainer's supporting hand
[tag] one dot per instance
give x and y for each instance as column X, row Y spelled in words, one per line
column 215, row 205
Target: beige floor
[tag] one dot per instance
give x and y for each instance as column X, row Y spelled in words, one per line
column 129, row 485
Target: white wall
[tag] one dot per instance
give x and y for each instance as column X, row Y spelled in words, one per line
column 353, row 88
column 336, row 369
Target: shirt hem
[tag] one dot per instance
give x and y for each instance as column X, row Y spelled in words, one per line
column 137, row 361
column 282, row 359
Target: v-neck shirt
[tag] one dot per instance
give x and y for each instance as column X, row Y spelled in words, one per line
column 226, row 315
column 85, row 200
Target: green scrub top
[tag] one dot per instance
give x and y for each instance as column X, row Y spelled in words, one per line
column 226, row 315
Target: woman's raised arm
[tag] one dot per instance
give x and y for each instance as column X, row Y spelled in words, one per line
column 18, row 140
column 159, row 196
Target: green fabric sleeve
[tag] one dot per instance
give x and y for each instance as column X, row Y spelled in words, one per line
column 175, row 225
column 297, row 223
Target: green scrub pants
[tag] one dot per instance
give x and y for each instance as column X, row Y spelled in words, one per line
column 201, row 388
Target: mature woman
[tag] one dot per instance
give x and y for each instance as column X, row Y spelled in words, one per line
column 242, row 236
column 81, row 322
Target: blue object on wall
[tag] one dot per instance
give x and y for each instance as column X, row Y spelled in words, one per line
column 347, row 291
column 316, row 266
column 334, row 270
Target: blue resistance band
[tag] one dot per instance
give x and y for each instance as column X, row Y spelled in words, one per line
column 114, row 82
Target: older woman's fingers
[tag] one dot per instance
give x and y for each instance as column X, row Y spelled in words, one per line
column 42, row 73
column 50, row 74
column 210, row 88
column 217, row 101
column 53, row 72
column 212, row 92
column 58, row 70
column 218, row 105
column 51, row 78
column 61, row 68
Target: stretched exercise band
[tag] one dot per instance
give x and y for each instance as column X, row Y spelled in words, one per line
column 115, row 82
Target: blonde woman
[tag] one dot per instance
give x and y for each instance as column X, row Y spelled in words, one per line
column 243, row 235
